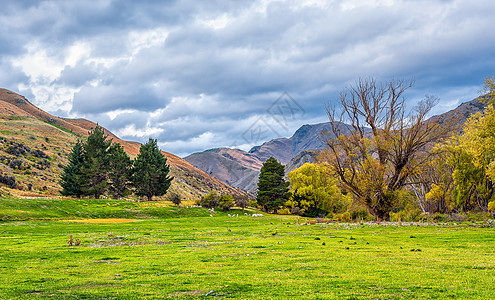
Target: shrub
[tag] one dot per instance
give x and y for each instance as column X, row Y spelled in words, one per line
column 8, row 181
column 253, row 203
column 491, row 206
column 283, row 211
column 361, row 214
column 210, row 200
column 412, row 215
column 226, row 202
column 175, row 198
column 40, row 154
column 460, row 217
column 242, row 202
column 344, row 217
column 296, row 211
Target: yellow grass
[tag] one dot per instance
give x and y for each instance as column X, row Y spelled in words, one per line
column 104, row 221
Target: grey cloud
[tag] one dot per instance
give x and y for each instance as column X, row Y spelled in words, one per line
column 77, row 76
column 10, row 76
column 108, row 98
column 239, row 70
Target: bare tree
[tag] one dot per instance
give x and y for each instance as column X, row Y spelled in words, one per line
column 375, row 144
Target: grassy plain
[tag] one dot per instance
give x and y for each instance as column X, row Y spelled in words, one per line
column 153, row 250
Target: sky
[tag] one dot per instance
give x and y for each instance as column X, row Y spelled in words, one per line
column 203, row 74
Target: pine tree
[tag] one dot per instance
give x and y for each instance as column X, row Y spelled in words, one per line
column 150, row 171
column 72, row 179
column 119, row 170
column 272, row 188
column 96, row 162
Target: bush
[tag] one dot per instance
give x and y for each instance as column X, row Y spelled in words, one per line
column 210, row 200
column 226, row 202
column 491, row 206
column 8, row 181
column 476, row 216
column 344, row 217
column 253, row 203
column 361, row 214
column 283, row 211
column 175, row 198
column 40, row 154
column 296, row 211
column 460, row 217
column 242, row 202
column 412, row 215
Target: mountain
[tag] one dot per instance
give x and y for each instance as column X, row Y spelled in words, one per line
column 34, row 146
column 302, row 147
column 462, row 112
column 232, row 166
column 240, row 169
column 285, row 149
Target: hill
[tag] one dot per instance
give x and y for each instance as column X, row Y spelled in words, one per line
column 34, row 146
column 462, row 112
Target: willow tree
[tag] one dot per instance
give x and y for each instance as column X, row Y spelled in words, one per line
column 374, row 144
column 473, row 156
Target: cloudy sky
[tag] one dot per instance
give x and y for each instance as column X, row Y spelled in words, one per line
column 201, row 74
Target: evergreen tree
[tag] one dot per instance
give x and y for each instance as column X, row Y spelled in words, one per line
column 72, row 180
column 150, row 171
column 119, row 170
column 272, row 188
column 96, row 164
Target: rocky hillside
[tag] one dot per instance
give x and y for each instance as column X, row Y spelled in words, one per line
column 232, row 166
column 285, row 149
column 462, row 112
column 34, row 146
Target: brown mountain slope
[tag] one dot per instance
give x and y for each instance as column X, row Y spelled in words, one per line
column 25, row 125
column 462, row 112
column 232, row 166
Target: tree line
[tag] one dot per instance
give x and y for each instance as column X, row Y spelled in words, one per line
column 381, row 159
column 99, row 167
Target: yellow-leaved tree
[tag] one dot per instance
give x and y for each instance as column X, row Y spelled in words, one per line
column 315, row 191
column 472, row 154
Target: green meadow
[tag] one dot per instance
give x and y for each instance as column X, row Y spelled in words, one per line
column 108, row 249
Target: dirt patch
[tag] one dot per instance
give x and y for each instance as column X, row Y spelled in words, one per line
column 187, row 293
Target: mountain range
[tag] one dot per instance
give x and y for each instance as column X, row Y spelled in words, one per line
column 241, row 169
column 34, row 147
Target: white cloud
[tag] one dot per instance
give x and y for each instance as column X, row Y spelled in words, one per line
column 130, row 131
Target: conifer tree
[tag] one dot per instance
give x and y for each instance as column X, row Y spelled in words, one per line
column 119, row 171
column 272, row 188
column 150, row 171
column 72, row 180
column 96, row 162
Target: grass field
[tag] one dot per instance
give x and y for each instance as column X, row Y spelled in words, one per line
column 153, row 250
